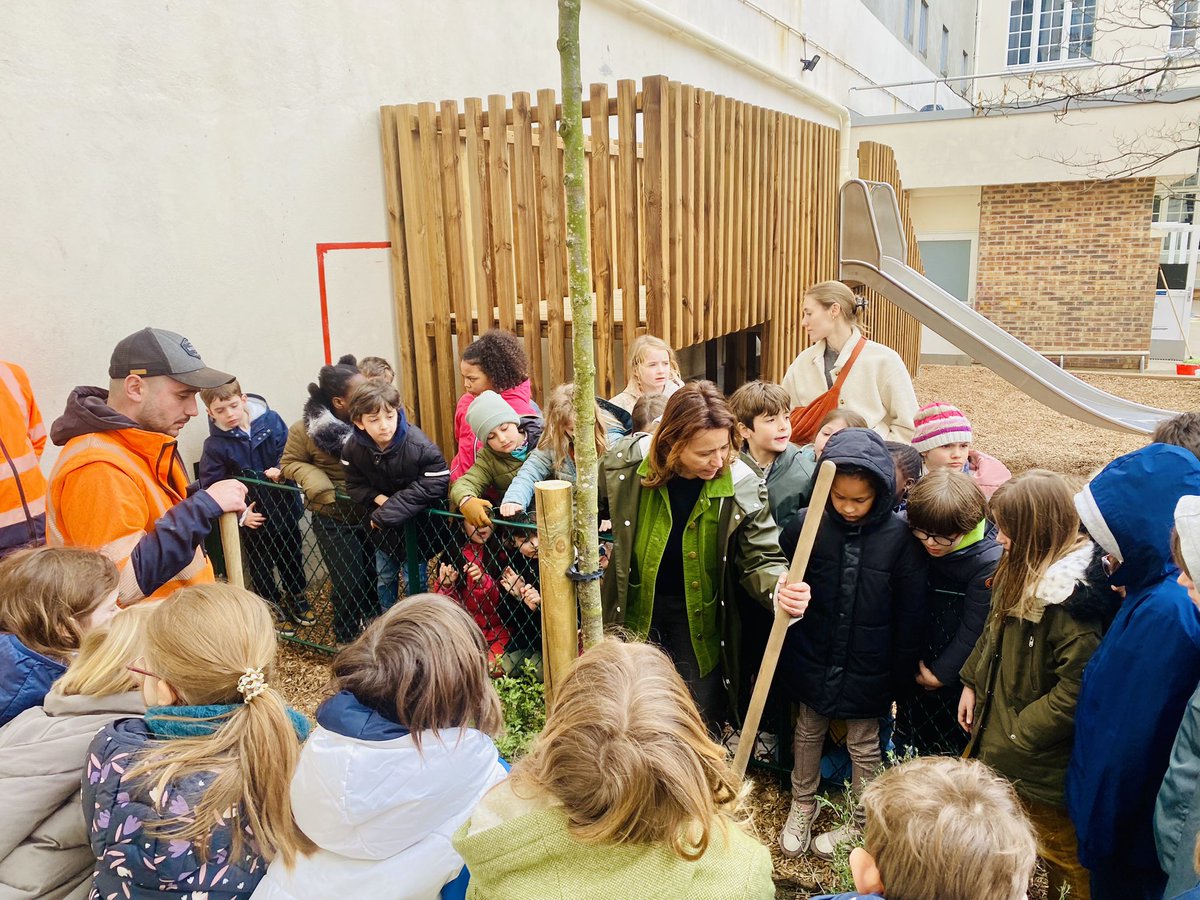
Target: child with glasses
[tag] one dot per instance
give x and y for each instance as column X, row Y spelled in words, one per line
column 946, row 514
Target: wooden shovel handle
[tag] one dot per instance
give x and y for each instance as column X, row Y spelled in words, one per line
column 766, row 670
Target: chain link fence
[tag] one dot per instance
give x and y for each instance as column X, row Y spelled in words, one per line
column 327, row 574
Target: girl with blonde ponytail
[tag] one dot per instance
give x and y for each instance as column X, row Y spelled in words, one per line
column 195, row 797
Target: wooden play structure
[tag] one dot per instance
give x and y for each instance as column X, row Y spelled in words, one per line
column 708, row 217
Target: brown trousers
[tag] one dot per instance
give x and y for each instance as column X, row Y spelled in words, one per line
column 1059, row 850
column 862, row 741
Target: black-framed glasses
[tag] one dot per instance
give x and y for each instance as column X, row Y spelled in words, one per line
column 939, row 539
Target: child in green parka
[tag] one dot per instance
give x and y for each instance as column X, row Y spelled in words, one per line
column 507, row 440
column 1021, row 683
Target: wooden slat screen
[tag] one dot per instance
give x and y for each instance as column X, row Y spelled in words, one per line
column 714, row 223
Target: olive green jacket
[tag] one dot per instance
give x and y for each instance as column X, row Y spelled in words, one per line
column 747, row 545
column 1027, row 672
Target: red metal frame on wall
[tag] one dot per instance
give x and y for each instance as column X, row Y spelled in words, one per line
column 322, row 249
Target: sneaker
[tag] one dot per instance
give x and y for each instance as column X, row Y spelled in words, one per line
column 825, row 846
column 299, row 610
column 796, row 835
column 283, row 625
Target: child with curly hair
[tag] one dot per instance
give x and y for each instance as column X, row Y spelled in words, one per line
column 495, row 361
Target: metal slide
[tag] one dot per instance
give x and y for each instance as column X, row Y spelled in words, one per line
column 873, row 253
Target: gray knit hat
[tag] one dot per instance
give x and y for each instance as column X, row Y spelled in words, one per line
column 488, row 412
column 1187, row 524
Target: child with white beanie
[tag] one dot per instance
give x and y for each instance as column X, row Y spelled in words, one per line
column 943, row 437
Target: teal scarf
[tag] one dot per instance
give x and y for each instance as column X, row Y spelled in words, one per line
column 198, row 721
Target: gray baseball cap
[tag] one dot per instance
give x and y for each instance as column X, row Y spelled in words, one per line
column 155, row 351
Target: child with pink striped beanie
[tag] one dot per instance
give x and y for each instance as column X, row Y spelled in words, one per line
column 943, row 438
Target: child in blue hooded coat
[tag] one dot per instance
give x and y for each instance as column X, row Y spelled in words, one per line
column 1137, row 684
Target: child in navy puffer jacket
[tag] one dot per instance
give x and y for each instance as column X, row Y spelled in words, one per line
column 246, row 439
column 1137, row 683
column 193, row 801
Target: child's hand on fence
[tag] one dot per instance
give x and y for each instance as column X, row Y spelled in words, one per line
column 510, row 510
column 447, row 576
column 531, row 597
column 606, row 549
column 926, row 678
column 273, row 474
column 252, row 518
column 381, row 499
column 474, row 573
column 475, row 510
column 511, row 582
column 966, row 709
column 230, row 495
column 792, row 598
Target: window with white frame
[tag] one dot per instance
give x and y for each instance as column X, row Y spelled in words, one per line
column 1043, row 31
column 908, row 19
column 1185, row 24
column 923, row 30
column 945, row 54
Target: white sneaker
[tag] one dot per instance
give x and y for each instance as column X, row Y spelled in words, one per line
column 825, row 846
column 796, row 835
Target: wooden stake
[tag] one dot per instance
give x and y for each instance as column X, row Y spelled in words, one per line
column 556, row 552
column 766, row 670
column 231, row 546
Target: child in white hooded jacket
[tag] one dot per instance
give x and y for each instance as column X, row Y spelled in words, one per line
column 400, row 757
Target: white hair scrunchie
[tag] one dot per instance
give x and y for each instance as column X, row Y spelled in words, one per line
column 251, row 684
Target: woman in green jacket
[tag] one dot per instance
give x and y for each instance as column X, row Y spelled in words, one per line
column 690, row 520
column 1050, row 600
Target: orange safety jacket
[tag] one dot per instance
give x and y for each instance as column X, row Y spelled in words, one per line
column 22, row 439
column 123, row 491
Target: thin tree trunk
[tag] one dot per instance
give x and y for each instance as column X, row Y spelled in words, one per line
column 579, row 277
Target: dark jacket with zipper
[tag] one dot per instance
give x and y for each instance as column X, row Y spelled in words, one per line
column 859, row 643
column 1026, row 673
column 411, row 472
column 959, row 599
column 233, row 453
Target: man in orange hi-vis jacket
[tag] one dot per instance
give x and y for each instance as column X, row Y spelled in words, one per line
column 119, row 484
column 22, row 485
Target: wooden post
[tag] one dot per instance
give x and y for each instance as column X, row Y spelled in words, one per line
column 556, row 553
column 231, row 545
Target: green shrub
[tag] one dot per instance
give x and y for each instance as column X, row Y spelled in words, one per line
column 523, row 698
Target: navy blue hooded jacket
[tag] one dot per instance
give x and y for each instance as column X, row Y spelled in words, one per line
column 861, row 638
column 234, row 453
column 1137, row 684
column 25, row 677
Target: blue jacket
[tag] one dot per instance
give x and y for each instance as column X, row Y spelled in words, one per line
column 234, row 453
column 1137, row 684
column 25, row 677
column 135, row 865
column 540, row 466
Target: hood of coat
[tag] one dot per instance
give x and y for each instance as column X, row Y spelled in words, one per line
column 363, row 790
column 255, row 404
column 87, row 412
column 863, row 448
column 362, row 438
column 532, row 426
column 39, row 739
column 1128, row 509
column 325, row 429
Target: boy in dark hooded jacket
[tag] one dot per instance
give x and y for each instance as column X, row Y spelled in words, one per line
column 860, row 640
column 1137, row 684
column 947, row 515
column 393, row 471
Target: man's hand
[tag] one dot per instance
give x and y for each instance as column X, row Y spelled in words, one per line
column 229, row 494
column 273, row 474
column 926, row 678
column 253, row 519
column 475, row 510
column 792, row 598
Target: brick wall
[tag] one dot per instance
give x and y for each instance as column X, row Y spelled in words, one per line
column 1070, row 265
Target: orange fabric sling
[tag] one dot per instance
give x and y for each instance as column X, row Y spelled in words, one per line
column 806, row 420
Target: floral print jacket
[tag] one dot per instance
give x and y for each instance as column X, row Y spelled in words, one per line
column 134, row 865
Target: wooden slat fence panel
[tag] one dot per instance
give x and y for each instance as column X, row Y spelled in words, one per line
column 716, row 222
